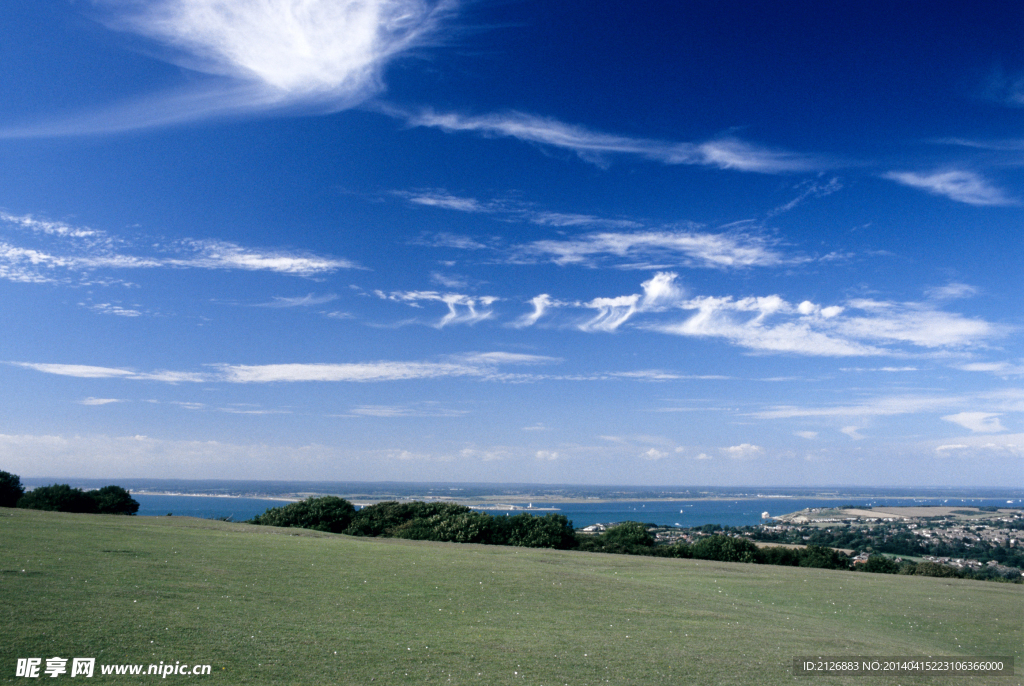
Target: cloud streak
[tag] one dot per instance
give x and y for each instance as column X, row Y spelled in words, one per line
column 61, row 250
column 320, row 55
column 771, row 324
column 462, row 309
column 961, row 186
column 597, row 147
column 483, row 365
column 672, row 247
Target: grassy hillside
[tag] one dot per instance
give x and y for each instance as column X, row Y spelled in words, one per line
column 265, row 605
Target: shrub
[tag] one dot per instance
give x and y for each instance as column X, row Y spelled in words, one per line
column 113, row 500
column 57, row 498
column 880, row 564
column 326, row 513
column 10, row 489
column 726, row 549
column 384, row 519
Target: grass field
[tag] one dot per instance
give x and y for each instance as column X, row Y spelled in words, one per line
column 281, row 606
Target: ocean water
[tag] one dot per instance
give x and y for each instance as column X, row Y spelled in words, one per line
column 693, row 506
column 675, row 513
column 206, row 507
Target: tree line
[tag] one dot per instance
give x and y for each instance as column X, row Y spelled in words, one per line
column 454, row 523
column 64, row 498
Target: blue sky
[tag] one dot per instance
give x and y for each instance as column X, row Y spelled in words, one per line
column 723, row 243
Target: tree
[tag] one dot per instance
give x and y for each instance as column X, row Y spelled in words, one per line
column 326, row 513
column 384, row 519
column 528, row 531
column 57, row 498
column 726, row 549
column 10, row 489
column 114, row 500
column 631, row 538
column 880, row 564
column 824, row 558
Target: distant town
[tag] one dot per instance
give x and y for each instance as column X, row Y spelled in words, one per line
column 964, row 538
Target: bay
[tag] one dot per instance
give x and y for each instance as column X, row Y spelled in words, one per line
column 684, row 513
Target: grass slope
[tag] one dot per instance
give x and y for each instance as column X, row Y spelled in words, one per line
column 268, row 606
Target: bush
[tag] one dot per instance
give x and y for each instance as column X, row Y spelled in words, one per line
column 726, row 549
column 529, row 531
column 10, row 489
column 880, row 564
column 327, row 513
column 823, row 558
column 58, row 498
column 113, row 500
column 384, row 519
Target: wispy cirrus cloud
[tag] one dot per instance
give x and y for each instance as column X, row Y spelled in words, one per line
column 82, row 371
column 99, row 401
column 320, row 55
column 641, row 249
column 480, row 364
column 1002, row 368
column 978, row 422
column 62, row 253
column 462, row 309
column 961, row 186
column 308, row 300
column 425, row 409
column 597, row 147
column 858, row 327
column 511, row 210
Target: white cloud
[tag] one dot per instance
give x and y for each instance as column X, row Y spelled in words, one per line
column 915, row 323
column 80, row 371
column 596, row 147
column 462, row 309
column 108, row 308
column 473, row 364
column 91, row 372
column 99, row 401
column 299, row 301
column 72, row 250
column 809, row 189
column 809, row 435
column 873, row 407
column 213, row 254
column 961, row 186
column 540, row 305
column 446, row 201
column 746, row 322
column 320, row 55
column 420, row 410
column 495, row 358
column 546, row 455
column 771, row 324
column 853, row 432
column 998, row 368
column 1011, row 445
column 978, row 422
column 684, row 248
column 356, row 372
column 660, row 292
column 744, row 451
column 952, row 291
column 450, row 240
column 612, row 313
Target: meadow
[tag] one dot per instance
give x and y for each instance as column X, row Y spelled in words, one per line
column 264, row 605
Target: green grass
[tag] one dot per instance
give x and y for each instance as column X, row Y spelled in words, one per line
column 268, row 606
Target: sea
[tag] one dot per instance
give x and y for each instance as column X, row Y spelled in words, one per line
column 583, row 505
